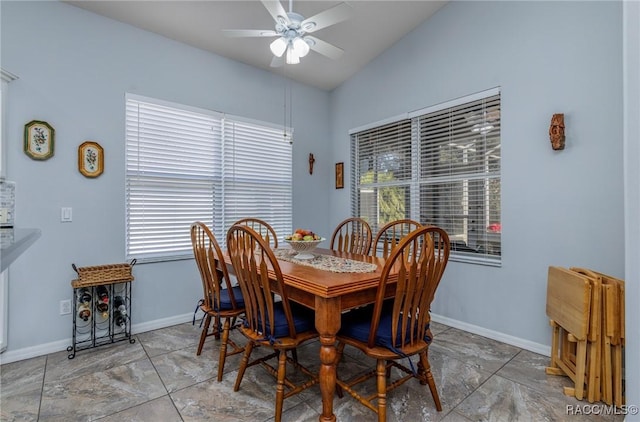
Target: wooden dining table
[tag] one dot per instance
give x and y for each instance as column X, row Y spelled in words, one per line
column 331, row 293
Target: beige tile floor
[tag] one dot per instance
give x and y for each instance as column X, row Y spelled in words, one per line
column 159, row 378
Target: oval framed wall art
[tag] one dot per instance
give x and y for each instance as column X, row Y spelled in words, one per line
column 90, row 159
column 39, row 140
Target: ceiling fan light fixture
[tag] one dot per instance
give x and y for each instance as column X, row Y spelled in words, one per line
column 291, row 31
column 292, row 57
column 300, row 47
column 278, row 47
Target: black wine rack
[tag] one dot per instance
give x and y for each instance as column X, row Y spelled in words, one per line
column 102, row 325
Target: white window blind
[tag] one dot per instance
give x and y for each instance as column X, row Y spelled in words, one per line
column 180, row 167
column 444, row 170
column 383, row 158
column 257, row 175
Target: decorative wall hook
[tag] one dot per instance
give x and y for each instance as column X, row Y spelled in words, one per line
column 556, row 131
column 311, row 161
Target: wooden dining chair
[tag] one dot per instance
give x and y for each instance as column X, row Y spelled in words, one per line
column 393, row 329
column 221, row 301
column 278, row 325
column 263, row 228
column 352, row 235
column 390, row 235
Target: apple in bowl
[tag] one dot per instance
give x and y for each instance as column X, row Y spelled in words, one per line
column 302, row 235
column 303, row 242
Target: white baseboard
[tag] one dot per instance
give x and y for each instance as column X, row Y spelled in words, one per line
column 34, row 351
column 57, row 346
column 162, row 323
column 541, row 349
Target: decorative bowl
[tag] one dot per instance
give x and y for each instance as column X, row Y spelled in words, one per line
column 304, row 247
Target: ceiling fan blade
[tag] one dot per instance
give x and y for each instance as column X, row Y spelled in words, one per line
column 277, row 11
column 277, row 61
column 236, row 33
column 329, row 17
column 324, row 48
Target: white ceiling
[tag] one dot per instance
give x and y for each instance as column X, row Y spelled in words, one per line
column 374, row 27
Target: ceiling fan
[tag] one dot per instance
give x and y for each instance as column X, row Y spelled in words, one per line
column 292, row 30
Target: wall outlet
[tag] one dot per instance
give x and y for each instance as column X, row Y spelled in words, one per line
column 65, row 307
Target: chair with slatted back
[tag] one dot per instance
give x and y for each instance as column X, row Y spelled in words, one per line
column 391, row 234
column 352, row 235
column 263, row 228
column 221, row 301
column 278, row 325
column 398, row 328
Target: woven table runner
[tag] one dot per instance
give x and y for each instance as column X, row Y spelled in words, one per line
column 327, row 262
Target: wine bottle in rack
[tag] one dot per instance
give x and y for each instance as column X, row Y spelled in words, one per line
column 119, row 304
column 84, row 311
column 102, row 301
column 120, row 319
column 84, row 295
column 120, row 312
column 103, row 294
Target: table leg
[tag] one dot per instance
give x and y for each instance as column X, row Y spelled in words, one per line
column 327, row 325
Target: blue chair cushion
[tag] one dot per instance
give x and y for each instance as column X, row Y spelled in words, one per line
column 357, row 325
column 303, row 320
column 225, row 301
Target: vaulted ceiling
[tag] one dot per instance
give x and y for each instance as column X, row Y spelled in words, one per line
column 373, row 27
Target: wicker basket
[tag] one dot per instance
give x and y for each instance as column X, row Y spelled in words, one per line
column 102, row 274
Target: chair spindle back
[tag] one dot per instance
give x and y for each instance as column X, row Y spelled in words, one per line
column 263, row 228
column 210, row 262
column 419, row 268
column 352, row 235
column 252, row 261
column 390, row 235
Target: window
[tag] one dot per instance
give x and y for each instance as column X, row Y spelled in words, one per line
column 185, row 164
column 439, row 165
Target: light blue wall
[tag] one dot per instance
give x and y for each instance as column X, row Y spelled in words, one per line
column 75, row 68
column 560, row 208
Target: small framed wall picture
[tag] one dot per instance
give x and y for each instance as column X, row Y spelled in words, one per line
column 39, row 140
column 339, row 175
column 90, row 159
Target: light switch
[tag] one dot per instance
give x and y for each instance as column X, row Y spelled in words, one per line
column 66, row 214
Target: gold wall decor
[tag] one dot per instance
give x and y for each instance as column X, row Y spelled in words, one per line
column 90, row 159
